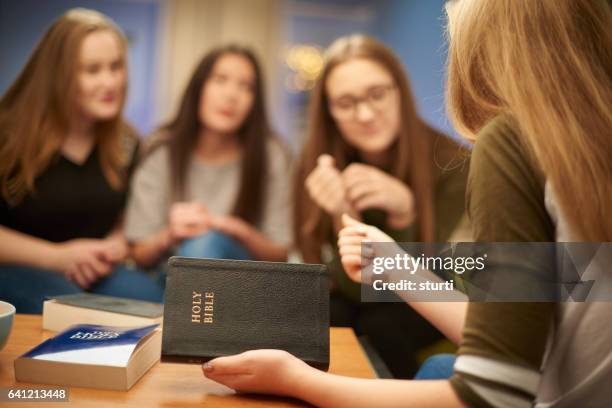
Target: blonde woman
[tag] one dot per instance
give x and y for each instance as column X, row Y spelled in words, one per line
column 530, row 83
column 65, row 158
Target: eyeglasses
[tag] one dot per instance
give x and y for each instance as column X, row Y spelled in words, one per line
column 377, row 98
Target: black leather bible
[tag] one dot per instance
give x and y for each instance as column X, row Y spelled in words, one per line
column 218, row 307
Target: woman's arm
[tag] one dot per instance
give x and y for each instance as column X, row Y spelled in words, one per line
column 278, row 372
column 147, row 212
column 186, row 220
column 21, row 249
column 448, row 317
column 83, row 261
column 329, row 390
column 118, row 246
column 369, row 187
column 147, row 252
column 262, row 247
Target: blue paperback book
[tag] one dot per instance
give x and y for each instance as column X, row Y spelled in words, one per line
column 92, row 356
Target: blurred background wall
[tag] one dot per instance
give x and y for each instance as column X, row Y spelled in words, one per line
column 168, row 37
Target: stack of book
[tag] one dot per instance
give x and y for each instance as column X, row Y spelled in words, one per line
column 105, row 342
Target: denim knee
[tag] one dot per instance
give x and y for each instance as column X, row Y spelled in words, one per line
column 437, row 367
column 215, row 245
column 27, row 287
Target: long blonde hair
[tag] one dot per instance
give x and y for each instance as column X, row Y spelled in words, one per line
column 548, row 65
column 36, row 110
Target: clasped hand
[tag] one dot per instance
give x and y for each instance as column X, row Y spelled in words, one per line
column 357, row 188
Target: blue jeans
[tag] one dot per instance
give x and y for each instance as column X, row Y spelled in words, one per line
column 215, row 245
column 28, row 287
column 437, row 367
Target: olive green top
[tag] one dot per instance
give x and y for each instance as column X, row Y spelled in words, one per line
column 505, row 202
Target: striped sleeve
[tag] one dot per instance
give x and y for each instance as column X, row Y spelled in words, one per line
column 501, row 353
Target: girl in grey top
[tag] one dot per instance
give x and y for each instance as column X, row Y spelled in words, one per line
column 215, row 182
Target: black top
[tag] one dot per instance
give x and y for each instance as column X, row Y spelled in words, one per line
column 69, row 201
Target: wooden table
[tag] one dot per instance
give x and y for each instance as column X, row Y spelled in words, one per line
column 169, row 385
